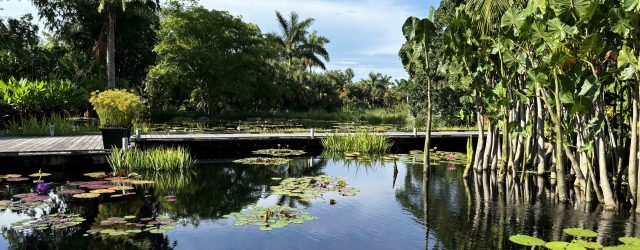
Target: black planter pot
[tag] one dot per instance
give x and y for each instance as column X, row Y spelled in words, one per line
column 112, row 137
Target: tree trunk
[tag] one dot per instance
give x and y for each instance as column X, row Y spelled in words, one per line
column 562, row 191
column 111, row 50
column 427, row 138
column 633, row 148
column 488, row 147
column 540, row 133
column 607, row 193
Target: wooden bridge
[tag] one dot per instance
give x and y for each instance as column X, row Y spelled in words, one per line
column 40, row 150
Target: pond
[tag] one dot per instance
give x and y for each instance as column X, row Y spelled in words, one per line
column 386, row 213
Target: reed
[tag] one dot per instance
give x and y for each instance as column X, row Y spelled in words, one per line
column 156, row 159
column 36, row 126
column 368, row 143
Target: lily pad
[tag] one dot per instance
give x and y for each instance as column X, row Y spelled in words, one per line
column 274, row 217
column 526, row 240
column 556, row 245
column 588, row 244
column 86, row 195
column 580, row 232
column 17, row 179
column 120, row 188
column 630, row 240
column 141, row 182
column 313, row 187
column 279, row 152
column 39, row 174
column 103, row 191
column 97, row 175
column 262, row 161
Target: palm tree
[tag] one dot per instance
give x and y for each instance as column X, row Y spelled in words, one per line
column 313, row 48
column 111, row 7
column 296, row 44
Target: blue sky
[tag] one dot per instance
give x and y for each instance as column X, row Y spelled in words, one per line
column 365, row 34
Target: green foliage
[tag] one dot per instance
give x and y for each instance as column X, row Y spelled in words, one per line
column 156, row 159
column 211, row 61
column 39, row 126
column 36, row 97
column 359, row 142
column 526, row 240
column 116, row 108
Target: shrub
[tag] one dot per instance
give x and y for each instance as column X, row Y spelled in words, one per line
column 40, row 126
column 33, row 97
column 116, row 108
column 157, row 159
column 359, row 142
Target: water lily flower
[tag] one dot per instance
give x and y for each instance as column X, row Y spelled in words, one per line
column 452, row 156
column 42, row 187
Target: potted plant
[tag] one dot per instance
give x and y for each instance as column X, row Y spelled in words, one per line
column 117, row 109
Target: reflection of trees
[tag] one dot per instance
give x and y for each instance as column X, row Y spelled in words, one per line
column 94, row 212
column 217, row 189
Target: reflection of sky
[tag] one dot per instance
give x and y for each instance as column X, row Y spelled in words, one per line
column 373, row 219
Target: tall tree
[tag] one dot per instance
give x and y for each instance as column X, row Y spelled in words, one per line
column 297, row 45
column 110, row 6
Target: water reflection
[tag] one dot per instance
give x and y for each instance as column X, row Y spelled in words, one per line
column 436, row 209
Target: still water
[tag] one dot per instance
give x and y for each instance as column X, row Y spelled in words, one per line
column 388, row 212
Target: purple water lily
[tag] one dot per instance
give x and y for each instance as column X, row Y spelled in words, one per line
column 42, row 187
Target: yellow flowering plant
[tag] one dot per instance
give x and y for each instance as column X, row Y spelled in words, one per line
column 115, row 107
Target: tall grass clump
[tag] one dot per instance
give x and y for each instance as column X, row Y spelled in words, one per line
column 35, row 126
column 156, row 159
column 359, row 142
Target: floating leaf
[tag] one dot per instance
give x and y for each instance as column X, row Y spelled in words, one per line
column 280, row 152
column 120, row 188
column 103, row 191
column 630, row 240
column 580, row 232
column 71, row 191
column 96, row 175
column 86, row 195
column 270, row 218
column 526, row 240
column 141, row 182
column 39, row 175
column 129, row 217
column 262, row 161
column 7, row 176
column 276, row 178
column 588, row 244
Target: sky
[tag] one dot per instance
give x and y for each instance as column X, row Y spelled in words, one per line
column 365, row 34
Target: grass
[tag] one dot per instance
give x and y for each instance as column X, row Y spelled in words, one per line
column 34, row 126
column 359, row 142
column 157, row 159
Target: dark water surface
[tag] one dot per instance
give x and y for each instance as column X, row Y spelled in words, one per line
column 388, row 213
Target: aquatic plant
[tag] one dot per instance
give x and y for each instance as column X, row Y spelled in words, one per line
column 368, row 143
column 279, row 152
column 157, row 159
column 311, row 187
column 262, row 161
column 131, row 225
column 270, row 218
column 33, row 126
column 42, row 187
column 51, row 221
column 577, row 243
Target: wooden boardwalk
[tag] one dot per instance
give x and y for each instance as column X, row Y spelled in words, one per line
column 272, row 136
column 51, row 145
column 92, row 144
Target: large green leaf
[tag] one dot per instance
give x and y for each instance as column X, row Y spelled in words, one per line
column 631, row 5
column 513, row 20
column 623, row 27
column 566, row 7
column 560, row 30
column 526, row 240
column 626, row 57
